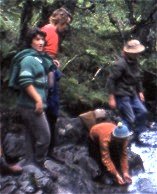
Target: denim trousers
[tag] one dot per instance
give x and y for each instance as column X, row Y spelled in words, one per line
column 133, row 112
column 37, row 135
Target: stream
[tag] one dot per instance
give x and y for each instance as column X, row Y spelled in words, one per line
column 76, row 175
column 143, row 181
column 146, row 182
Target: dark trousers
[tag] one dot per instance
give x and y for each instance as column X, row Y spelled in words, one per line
column 37, row 135
column 132, row 110
column 52, row 123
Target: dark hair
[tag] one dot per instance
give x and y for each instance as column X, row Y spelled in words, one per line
column 31, row 34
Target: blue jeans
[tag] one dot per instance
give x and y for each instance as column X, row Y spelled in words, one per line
column 132, row 110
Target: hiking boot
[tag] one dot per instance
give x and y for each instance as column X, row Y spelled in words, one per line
column 5, row 168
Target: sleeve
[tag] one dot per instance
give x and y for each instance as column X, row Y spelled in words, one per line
column 26, row 76
column 92, row 135
column 49, row 65
column 124, row 159
column 139, row 85
column 115, row 72
column 106, row 159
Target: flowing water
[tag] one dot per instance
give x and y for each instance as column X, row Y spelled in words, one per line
column 146, row 182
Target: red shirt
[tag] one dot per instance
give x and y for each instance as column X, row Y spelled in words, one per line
column 52, row 39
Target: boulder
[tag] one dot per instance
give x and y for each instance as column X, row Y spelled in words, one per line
column 74, row 166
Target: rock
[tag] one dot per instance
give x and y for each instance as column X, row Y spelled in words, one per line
column 69, row 129
column 13, row 145
column 79, row 155
column 71, row 178
column 9, row 189
column 74, row 166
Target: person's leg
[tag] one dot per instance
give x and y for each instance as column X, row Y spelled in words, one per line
column 140, row 113
column 52, row 122
column 126, row 111
column 39, row 129
column 29, row 148
column 6, row 168
column 41, row 132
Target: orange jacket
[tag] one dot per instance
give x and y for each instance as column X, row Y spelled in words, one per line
column 52, row 39
column 102, row 132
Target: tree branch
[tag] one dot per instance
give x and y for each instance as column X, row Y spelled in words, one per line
column 129, row 4
column 117, row 25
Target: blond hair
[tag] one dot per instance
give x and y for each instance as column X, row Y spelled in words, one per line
column 61, row 16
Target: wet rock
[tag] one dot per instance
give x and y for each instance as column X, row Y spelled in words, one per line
column 9, row 189
column 19, row 192
column 144, row 186
column 39, row 192
column 79, row 155
column 135, row 162
column 7, row 181
column 13, row 145
column 26, row 183
column 71, row 168
column 69, row 129
column 71, row 178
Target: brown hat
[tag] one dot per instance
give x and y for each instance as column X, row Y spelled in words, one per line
column 133, row 46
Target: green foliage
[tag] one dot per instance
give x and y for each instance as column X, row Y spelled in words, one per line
column 93, row 43
column 75, row 93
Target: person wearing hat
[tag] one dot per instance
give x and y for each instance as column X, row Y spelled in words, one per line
column 125, row 87
column 113, row 141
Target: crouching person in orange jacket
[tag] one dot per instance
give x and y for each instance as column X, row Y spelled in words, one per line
column 113, row 140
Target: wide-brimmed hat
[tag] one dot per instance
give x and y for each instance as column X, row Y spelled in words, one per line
column 133, row 46
column 121, row 131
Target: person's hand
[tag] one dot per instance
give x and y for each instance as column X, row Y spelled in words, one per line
column 112, row 101
column 141, row 96
column 127, row 178
column 120, row 180
column 39, row 107
column 57, row 63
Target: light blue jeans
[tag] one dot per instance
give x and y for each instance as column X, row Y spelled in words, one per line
column 133, row 112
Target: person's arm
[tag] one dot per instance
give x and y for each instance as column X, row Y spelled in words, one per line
column 31, row 91
column 112, row 101
column 140, row 90
column 51, row 77
column 115, row 73
column 139, row 87
column 57, row 62
column 141, row 96
column 92, row 134
column 107, row 162
column 26, row 80
column 124, row 164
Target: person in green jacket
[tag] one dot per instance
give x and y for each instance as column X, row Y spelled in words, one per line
column 34, row 67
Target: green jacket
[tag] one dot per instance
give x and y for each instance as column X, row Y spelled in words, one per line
column 33, row 68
